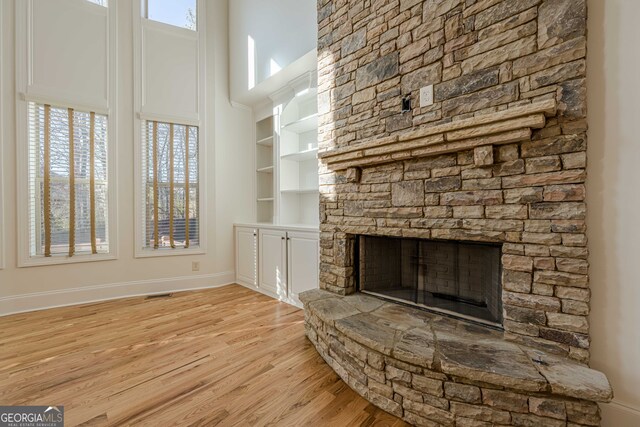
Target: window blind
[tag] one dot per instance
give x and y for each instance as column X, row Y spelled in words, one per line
column 68, row 189
column 170, row 184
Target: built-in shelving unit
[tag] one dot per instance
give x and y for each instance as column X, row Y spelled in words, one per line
column 298, row 151
column 265, row 163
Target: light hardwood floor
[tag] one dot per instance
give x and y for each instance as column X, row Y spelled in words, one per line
column 227, row 356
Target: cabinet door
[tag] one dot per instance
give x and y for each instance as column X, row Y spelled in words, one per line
column 273, row 262
column 303, row 262
column 247, row 256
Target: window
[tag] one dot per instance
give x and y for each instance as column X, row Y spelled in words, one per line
column 180, row 13
column 170, row 163
column 99, row 2
column 170, row 175
column 68, row 188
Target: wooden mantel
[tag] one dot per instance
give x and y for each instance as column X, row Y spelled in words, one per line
column 503, row 127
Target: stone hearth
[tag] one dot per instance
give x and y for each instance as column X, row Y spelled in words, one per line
column 432, row 370
column 499, row 157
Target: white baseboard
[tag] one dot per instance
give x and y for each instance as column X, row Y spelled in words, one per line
column 89, row 294
column 618, row 414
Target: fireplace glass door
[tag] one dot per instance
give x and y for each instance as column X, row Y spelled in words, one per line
column 458, row 278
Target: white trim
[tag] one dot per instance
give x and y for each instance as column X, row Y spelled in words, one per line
column 165, row 118
column 2, row 110
column 90, row 294
column 139, row 116
column 64, row 102
column 172, row 29
column 39, row 261
column 46, row 95
column 162, row 252
column 24, row 27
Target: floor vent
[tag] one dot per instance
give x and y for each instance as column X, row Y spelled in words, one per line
column 158, row 296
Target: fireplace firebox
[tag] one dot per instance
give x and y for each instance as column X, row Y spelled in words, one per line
column 462, row 279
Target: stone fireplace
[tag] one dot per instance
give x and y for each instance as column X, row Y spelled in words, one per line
column 498, row 160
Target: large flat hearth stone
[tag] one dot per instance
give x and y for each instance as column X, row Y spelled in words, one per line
column 364, row 329
column 416, row 346
column 439, row 347
column 331, row 309
column 314, row 295
column 365, row 303
column 490, row 360
column 401, row 317
column 571, row 379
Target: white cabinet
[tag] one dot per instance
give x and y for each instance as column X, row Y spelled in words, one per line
column 247, row 256
column 279, row 261
column 272, row 257
column 302, row 262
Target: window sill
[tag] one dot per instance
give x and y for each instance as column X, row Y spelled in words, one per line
column 157, row 253
column 63, row 259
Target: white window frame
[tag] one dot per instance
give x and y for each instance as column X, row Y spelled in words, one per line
column 26, row 94
column 141, row 116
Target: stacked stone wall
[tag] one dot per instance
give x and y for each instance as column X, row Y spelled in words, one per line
column 482, row 57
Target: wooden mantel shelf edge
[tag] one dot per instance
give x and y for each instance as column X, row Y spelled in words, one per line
column 503, row 127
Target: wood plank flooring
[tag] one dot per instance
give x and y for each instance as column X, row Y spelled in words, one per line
column 227, row 356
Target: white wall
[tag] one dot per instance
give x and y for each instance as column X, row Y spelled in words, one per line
column 283, row 31
column 229, row 172
column 614, row 201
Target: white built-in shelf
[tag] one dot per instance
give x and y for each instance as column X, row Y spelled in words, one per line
column 301, row 156
column 265, row 159
column 267, row 142
column 303, row 125
column 301, row 191
column 296, row 168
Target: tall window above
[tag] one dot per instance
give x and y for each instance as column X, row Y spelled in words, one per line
column 180, row 13
column 68, row 188
column 170, row 175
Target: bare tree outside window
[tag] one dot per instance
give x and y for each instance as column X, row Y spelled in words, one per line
column 191, row 19
column 179, row 13
column 89, row 201
column 171, row 172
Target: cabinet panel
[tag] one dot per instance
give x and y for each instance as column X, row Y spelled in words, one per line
column 303, row 258
column 247, row 256
column 273, row 261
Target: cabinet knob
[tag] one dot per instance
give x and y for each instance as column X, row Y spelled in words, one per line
column 282, row 238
